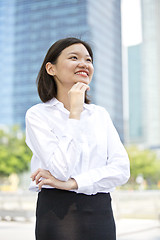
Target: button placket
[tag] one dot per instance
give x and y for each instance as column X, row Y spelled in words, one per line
column 85, row 155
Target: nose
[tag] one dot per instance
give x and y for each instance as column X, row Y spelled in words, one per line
column 83, row 64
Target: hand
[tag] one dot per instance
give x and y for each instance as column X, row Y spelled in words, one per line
column 76, row 99
column 44, row 177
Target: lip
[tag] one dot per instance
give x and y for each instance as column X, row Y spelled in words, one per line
column 85, row 71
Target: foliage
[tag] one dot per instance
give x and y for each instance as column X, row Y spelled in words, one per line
column 144, row 163
column 14, row 154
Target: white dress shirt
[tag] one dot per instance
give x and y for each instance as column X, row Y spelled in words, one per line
column 88, row 150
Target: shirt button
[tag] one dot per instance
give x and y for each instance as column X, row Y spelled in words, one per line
column 65, row 169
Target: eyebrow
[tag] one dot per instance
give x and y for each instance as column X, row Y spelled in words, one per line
column 77, row 53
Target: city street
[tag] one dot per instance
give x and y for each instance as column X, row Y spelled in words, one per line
column 138, row 229
column 147, row 235
column 136, row 214
column 127, row 229
column 53, row 52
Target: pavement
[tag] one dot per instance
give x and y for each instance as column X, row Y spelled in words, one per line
column 127, row 229
column 136, row 214
column 138, row 229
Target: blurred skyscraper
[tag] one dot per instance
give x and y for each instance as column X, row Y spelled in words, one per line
column 144, row 79
column 32, row 26
column 7, row 61
column 135, row 94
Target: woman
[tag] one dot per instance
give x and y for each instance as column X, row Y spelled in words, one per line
column 78, row 158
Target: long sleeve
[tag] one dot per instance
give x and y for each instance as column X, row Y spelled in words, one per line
column 116, row 171
column 58, row 153
column 88, row 150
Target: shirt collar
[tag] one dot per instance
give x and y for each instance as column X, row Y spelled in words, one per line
column 55, row 102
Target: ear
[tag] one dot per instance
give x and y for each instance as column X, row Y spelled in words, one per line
column 50, row 69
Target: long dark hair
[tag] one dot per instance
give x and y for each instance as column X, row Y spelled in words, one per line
column 47, row 88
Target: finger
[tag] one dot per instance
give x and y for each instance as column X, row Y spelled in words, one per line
column 81, row 84
column 45, row 182
column 34, row 174
column 38, row 178
column 88, row 89
column 75, row 86
column 42, row 174
column 41, row 183
column 84, row 87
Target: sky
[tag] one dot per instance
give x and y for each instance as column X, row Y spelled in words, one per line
column 131, row 35
column 131, row 22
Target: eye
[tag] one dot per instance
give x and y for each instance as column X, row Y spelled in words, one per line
column 74, row 57
column 89, row 60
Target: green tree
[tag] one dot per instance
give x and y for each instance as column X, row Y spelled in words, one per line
column 144, row 162
column 14, row 154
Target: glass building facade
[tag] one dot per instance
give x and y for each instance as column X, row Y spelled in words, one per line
column 6, row 62
column 144, row 80
column 135, row 94
column 38, row 24
column 151, row 72
column 35, row 25
column 104, row 20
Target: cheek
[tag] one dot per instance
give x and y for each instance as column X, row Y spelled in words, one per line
column 68, row 68
column 92, row 71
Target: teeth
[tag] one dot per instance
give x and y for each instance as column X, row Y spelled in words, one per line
column 82, row 73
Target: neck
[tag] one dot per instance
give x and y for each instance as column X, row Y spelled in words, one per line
column 62, row 96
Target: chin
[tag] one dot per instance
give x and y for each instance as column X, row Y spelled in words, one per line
column 83, row 81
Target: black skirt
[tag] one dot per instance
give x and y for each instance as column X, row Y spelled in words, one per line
column 66, row 215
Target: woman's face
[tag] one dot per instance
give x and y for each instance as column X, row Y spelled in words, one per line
column 73, row 65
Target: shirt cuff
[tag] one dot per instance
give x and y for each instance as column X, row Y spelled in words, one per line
column 84, row 183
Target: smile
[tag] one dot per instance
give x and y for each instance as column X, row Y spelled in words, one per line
column 82, row 73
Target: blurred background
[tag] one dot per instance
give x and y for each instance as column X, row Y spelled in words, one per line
column 125, row 39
